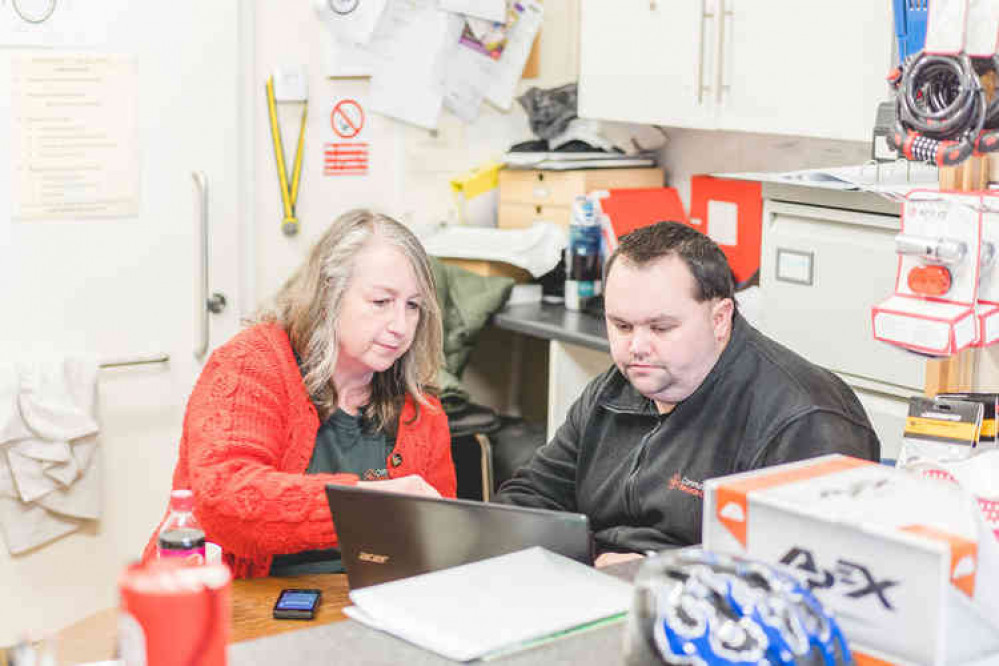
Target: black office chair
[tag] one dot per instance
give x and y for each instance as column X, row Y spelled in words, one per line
column 471, row 426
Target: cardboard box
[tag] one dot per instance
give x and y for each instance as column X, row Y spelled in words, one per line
column 905, row 562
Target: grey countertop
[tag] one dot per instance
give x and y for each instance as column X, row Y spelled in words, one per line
column 351, row 642
column 553, row 322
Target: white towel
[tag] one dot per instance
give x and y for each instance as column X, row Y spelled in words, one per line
column 49, row 465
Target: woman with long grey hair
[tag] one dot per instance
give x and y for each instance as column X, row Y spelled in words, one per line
column 331, row 384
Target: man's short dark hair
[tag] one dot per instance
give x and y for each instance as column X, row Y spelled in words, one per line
column 706, row 261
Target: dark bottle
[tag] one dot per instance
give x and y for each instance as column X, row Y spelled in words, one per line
column 181, row 536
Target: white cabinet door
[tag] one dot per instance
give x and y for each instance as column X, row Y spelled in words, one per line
column 647, row 62
column 122, row 287
column 812, row 69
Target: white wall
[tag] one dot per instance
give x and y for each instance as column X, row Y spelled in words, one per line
column 409, row 167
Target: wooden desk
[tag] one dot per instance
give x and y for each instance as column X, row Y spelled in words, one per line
column 94, row 637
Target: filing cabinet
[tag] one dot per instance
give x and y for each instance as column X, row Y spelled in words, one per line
column 529, row 196
column 822, row 267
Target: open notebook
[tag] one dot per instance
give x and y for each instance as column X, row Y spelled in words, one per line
column 491, row 607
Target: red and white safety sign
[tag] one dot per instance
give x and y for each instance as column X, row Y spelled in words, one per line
column 345, row 159
column 347, row 154
column 347, row 118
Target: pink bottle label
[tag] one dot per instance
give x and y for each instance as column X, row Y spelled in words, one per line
column 191, row 556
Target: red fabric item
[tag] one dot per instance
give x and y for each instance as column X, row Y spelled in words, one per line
column 744, row 255
column 248, row 437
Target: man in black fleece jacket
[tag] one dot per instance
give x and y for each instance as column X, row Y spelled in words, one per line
column 695, row 392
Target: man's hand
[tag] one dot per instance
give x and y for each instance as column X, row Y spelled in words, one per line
column 408, row 485
column 608, row 559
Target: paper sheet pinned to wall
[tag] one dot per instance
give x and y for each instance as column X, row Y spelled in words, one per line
column 489, row 65
column 75, row 136
column 411, row 45
column 347, row 30
column 351, row 22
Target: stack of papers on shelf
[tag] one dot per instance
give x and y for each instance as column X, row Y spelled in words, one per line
column 493, row 606
column 556, row 161
column 888, row 178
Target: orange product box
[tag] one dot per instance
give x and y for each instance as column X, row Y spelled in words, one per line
column 906, row 563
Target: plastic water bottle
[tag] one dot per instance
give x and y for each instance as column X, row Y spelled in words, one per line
column 181, row 536
column 582, row 257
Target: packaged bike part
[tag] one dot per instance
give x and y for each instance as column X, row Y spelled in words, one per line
column 939, row 430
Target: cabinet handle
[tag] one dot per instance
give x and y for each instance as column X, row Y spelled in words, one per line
column 700, row 54
column 720, row 51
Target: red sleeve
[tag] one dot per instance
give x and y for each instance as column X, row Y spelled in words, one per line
column 239, row 425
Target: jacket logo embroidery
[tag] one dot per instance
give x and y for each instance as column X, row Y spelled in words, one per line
column 686, row 485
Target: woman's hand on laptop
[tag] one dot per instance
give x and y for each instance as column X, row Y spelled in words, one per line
column 414, row 484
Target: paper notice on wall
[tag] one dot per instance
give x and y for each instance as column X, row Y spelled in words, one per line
column 350, row 21
column 74, row 128
column 343, row 59
column 479, row 65
column 523, row 23
column 411, row 44
column 346, row 148
column 347, row 29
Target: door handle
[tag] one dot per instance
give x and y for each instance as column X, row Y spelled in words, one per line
column 207, row 303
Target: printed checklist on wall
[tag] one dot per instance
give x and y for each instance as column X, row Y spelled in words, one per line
column 425, row 56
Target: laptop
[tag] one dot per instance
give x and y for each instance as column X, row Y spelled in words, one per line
column 386, row 536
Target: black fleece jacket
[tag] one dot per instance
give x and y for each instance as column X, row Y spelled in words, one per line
column 638, row 475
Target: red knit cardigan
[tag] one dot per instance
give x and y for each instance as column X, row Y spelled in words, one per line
column 248, row 437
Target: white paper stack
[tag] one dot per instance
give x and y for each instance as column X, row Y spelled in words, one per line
column 493, row 606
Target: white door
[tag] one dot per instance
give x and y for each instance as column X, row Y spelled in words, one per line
column 124, row 287
column 812, row 69
column 648, row 62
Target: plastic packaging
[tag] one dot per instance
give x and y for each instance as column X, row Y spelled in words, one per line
column 582, row 259
column 181, row 536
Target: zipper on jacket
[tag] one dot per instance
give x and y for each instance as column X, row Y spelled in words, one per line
column 629, row 483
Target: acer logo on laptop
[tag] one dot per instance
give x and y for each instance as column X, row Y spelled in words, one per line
column 374, row 558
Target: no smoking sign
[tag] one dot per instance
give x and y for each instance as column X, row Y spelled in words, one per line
column 347, row 154
column 347, row 119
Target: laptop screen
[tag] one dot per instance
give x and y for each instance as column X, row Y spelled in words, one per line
column 385, row 536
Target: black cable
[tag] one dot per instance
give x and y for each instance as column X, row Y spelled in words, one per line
column 940, row 109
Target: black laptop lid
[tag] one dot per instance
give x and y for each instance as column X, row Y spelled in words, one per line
column 385, row 536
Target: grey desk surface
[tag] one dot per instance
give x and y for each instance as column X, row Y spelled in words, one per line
column 350, row 642
column 554, row 322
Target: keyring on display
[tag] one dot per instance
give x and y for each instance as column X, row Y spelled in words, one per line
column 34, row 11
column 342, row 6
